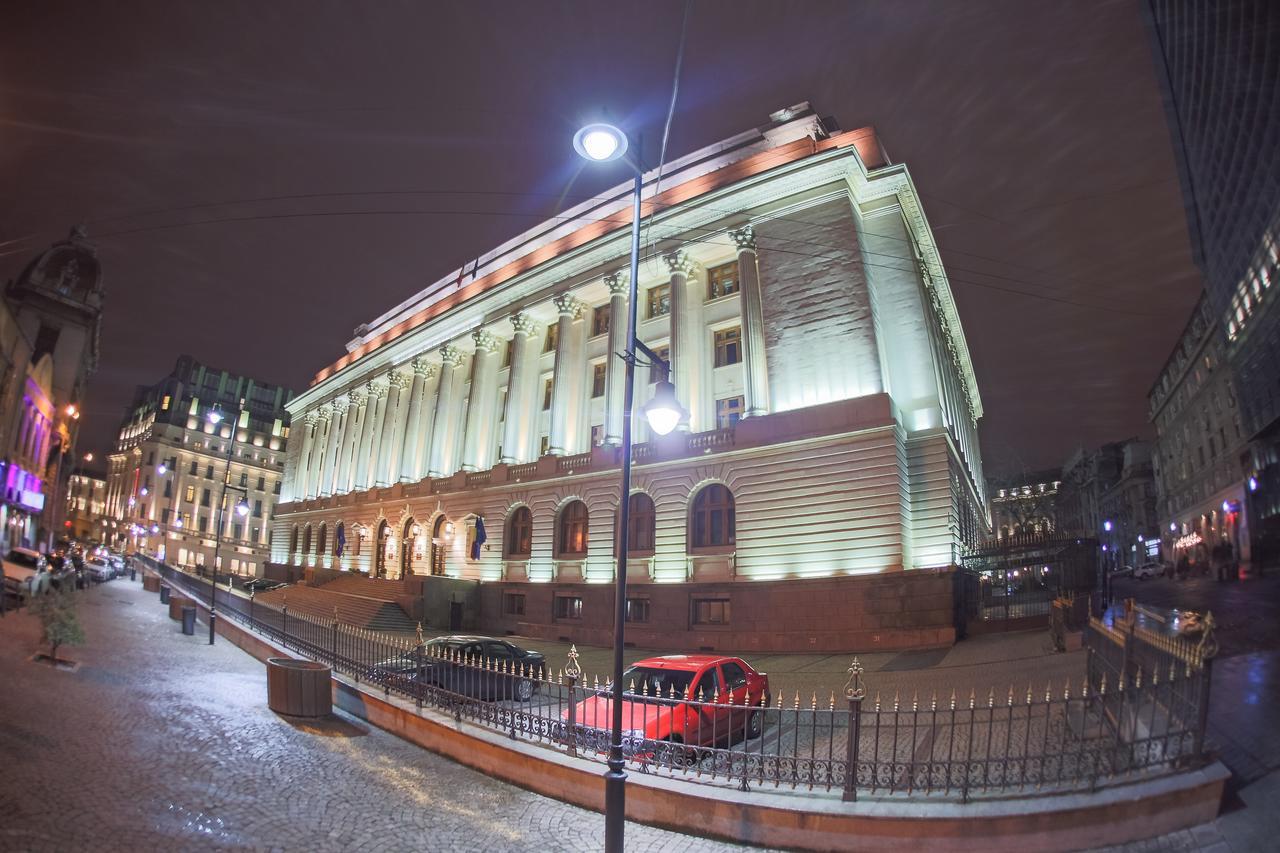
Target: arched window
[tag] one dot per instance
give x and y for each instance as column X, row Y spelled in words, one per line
column 321, row 539
column 293, row 541
column 306, row 539
column 571, row 535
column 384, row 543
column 439, row 533
column 519, row 538
column 640, row 525
column 712, row 518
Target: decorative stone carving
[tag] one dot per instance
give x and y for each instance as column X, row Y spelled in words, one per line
column 486, row 342
column 357, row 397
column 399, row 379
column 449, row 354
column 617, row 282
column 525, row 325
column 680, row 263
column 422, row 367
column 744, row 238
column 377, row 391
column 568, row 305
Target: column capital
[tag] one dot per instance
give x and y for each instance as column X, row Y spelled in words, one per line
column 340, row 402
column 422, row 367
column 680, row 263
column 450, row 355
column 568, row 305
column 744, row 238
column 324, row 412
column 377, row 390
column 617, row 282
column 356, row 397
column 524, row 324
column 398, row 379
column 308, row 418
column 486, row 342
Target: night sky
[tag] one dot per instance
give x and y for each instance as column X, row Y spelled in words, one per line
column 261, row 178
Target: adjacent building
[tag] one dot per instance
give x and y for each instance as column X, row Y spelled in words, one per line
column 1217, row 65
column 86, row 515
column 1201, row 456
column 1108, row 493
column 192, row 448
column 1026, row 504
column 49, row 328
column 469, row 438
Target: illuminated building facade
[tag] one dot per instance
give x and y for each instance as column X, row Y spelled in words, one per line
column 86, row 517
column 468, row 441
column 166, row 475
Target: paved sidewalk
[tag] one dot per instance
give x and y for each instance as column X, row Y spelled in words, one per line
column 159, row 742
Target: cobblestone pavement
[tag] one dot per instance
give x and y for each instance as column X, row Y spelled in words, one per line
column 159, row 742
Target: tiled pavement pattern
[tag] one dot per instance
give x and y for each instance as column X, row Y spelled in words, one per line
column 159, row 742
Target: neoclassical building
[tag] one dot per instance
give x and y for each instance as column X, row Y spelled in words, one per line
column 469, row 438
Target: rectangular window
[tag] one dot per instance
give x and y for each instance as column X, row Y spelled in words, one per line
column 597, row 435
column 546, row 395
column 208, row 472
column 204, row 497
column 600, row 321
column 204, row 524
column 506, row 352
column 711, row 611
column 637, row 610
column 244, row 479
column 151, row 458
column 597, row 379
column 237, row 531
column 257, row 509
column 191, row 493
column 168, row 488
column 728, row 412
column 655, row 372
column 276, row 488
column 728, row 346
column 553, row 337
column 546, row 443
column 722, row 280
column 164, row 516
column 262, row 483
column 568, row 607
column 164, row 404
column 194, row 468
column 513, row 604
column 658, row 301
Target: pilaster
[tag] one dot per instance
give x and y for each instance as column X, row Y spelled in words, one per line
column 566, row 392
column 755, row 368
column 522, row 381
column 477, row 451
column 687, row 345
column 412, row 442
column 616, row 369
column 441, row 435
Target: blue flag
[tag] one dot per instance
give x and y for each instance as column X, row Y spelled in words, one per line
column 479, row 540
column 342, row 539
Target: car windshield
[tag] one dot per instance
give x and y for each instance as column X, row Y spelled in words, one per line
column 21, row 559
column 649, row 681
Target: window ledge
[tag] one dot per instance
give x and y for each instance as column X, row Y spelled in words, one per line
column 713, row 551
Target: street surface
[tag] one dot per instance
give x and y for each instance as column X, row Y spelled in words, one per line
column 159, row 742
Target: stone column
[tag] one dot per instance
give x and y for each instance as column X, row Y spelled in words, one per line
column 422, row 447
column 317, row 449
column 686, row 339
column 755, row 369
column 441, row 437
column 566, row 393
column 337, row 424
column 522, row 389
column 385, row 472
column 300, row 479
column 422, row 369
column 350, row 435
column 477, row 451
column 616, row 371
column 369, row 426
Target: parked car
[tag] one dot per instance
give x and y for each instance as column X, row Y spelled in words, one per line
column 98, row 569
column 1122, row 571
column 118, row 565
column 484, row 668
column 671, row 699
column 26, row 573
column 1148, row 570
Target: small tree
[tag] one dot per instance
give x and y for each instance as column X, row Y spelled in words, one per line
column 56, row 611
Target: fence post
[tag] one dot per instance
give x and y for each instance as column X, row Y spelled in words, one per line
column 333, row 641
column 854, row 693
column 284, row 609
column 572, row 673
column 420, row 683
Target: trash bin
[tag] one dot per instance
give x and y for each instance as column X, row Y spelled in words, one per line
column 164, row 594
column 189, row 620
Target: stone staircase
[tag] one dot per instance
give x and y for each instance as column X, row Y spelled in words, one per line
column 374, row 613
column 358, row 584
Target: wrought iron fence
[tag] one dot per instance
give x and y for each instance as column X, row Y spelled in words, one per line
column 1123, row 722
column 1007, row 581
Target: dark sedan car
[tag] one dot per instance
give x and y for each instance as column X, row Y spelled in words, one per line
column 483, row 668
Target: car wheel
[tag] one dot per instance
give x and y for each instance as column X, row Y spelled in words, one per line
column 755, row 725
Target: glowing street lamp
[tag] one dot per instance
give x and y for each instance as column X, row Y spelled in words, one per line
column 242, row 508
column 1106, row 525
column 602, row 143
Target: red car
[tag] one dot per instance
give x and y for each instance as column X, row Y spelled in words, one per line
column 672, row 698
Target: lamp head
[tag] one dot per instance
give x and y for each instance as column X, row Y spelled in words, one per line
column 215, row 416
column 242, row 508
column 664, row 411
column 600, row 142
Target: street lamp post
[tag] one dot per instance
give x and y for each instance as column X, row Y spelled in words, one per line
column 601, row 143
column 242, row 508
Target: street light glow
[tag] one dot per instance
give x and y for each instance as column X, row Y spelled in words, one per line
column 1106, row 525
column 600, row 142
column 162, row 469
column 242, row 508
column 215, row 417
column 664, row 411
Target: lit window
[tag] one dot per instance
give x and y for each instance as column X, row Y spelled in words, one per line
column 164, row 404
column 659, row 301
column 713, row 517
column 520, row 534
column 637, row 610
column 546, row 395
column 597, row 379
column 728, row 412
column 572, row 532
column 722, row 280
column 597, row 435
column 728, row 346
column 600, row 321
column 553, row 337
column 568, row 607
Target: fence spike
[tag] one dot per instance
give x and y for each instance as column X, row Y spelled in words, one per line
column 1137, row 681
column 877, row 701
column 833, row 700
column 1028, row 693
column 1155, row 675
column 633, row 687
column 813, row 703
column 1048, row 691
column 991, row 697
column 895, row 700
column 1173, row 671
column 797, row 702
column 1066, row 688
column 973, row 698
column 1084, row 688
column 1102, row 688
column 595, row 682
column 933, row 701
column 953, row 698
column 915, row 701
column 1010, row 695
